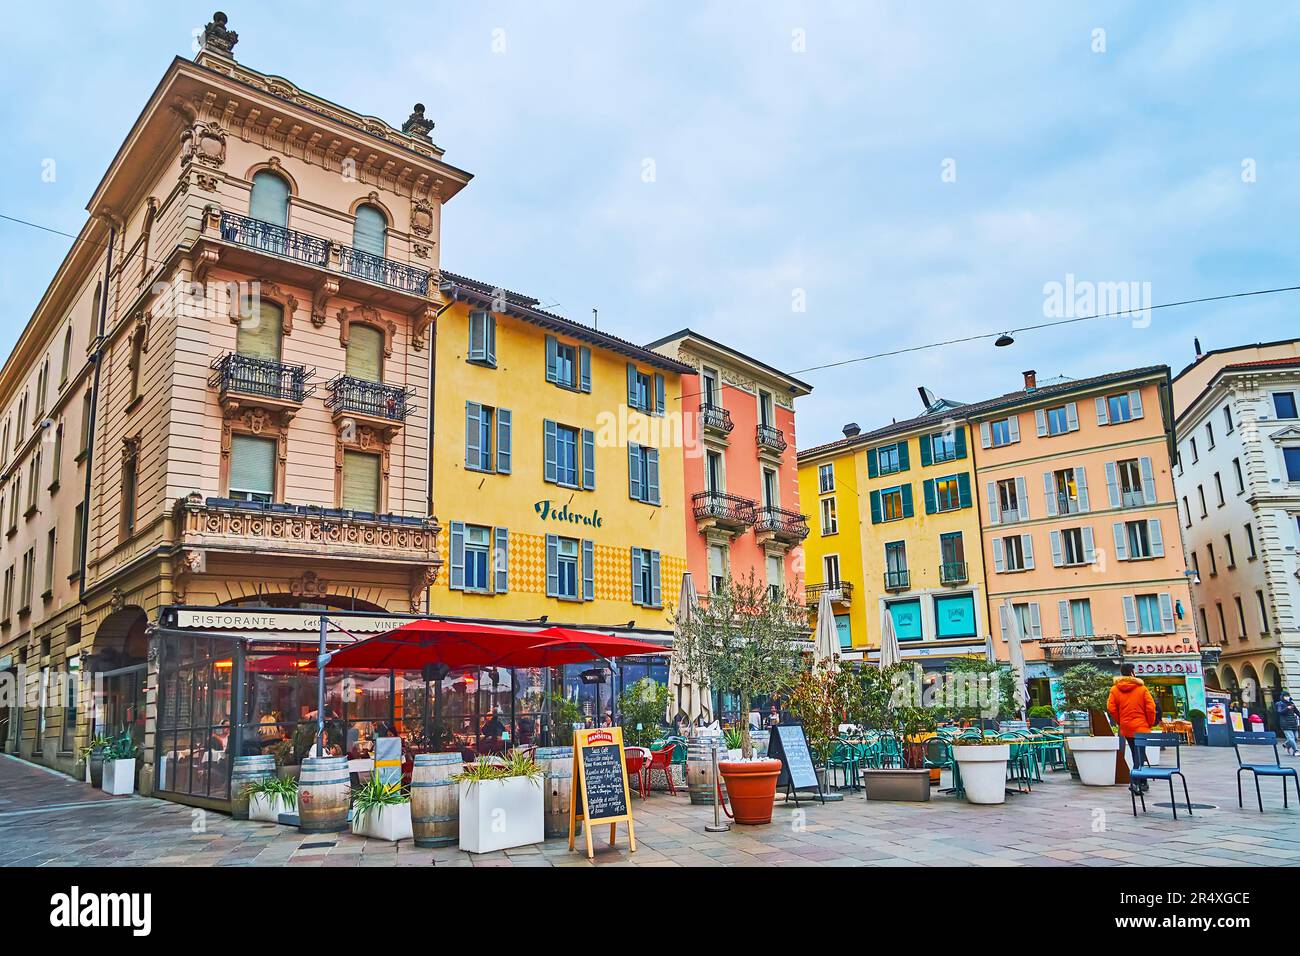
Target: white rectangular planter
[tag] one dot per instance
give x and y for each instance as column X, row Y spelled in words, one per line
column 266, row 808
column 499, row 814
column 119, row 777
column 390, row 823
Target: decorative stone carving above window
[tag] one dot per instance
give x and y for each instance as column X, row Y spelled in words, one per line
column 271, row 292
column 138, row 339
column 421, row 217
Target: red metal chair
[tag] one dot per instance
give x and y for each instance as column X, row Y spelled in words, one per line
column 663, row 760
column 638, row 768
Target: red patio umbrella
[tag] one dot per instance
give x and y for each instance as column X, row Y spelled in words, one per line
column 453, row 643
column 566, row 645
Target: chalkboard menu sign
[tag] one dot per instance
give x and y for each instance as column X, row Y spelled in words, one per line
column 789, row 745
column 600, row 784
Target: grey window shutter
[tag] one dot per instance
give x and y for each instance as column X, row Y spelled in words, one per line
column 552, row 566
column 1049, row 492
column 652, row 475
column 269, row 201
column 638, row 591
column 1112, row 484
column 1135, row 402
column 1130, row 615
column 503, row 440
column 1013, row 425
column 1058, row 556
column 588, row 459
column 584, row 369
column 1121, row 541
column 1148, row 481
column 1002, row 620
column 491, row 323
column 1035, row 621
column 1072, row 416
column 1067, row 626
column 631, row 386
column 656, row 589
column 986, row 438
column 370, row 231
column 456, row 579
column 1089, row 546
column 588, row 570
column 552, row 359
column 549, row 468
column 1103, row 413
column 1040, row 420
column 659, row 394
column 1027, row 543
column 995, row 508
column 501, row 560
column 1081, row 483
column 1157, row 538
column 473, row 449
column 999, row 561
column 252, row 465
column 1022, row 498
column 634, row 490
column 1166, row 614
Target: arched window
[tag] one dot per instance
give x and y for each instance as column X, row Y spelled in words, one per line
column 370, row 233
column 365, row 353
column 67, row 357
column 270, row 199
column 260, row 330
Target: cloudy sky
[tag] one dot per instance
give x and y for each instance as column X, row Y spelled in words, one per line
column 808, row 181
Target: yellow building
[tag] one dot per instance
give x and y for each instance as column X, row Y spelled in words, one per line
column 557, row 467
column 897, row 533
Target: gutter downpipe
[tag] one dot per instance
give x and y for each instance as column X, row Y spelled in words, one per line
column 97, row 358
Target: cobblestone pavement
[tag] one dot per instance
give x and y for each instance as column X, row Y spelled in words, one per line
column 49, row 819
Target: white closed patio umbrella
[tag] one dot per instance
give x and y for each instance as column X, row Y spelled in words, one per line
column 688, row 696
column 1016, row 653
column 826, row 640
column 890, row 652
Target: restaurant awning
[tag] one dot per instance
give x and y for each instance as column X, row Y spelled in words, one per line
column 564, row 645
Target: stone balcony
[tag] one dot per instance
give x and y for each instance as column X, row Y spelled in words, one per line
column 779, row 526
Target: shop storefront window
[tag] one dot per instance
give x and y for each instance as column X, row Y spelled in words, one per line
column 194, row 718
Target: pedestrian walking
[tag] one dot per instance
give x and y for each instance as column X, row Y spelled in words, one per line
column 1288, row 720
column 1134, row 710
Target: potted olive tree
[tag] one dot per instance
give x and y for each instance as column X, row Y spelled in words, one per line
column 746, row 642
column 1095, row 755
column 890, row 700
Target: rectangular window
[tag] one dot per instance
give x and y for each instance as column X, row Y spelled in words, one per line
column 1058, row 420
column 1291, row 457
column 1027, row 620
column 1223, row 623
column 889, row 459
column 68, row 732
column 643, row 473
column 1214, row 564
column 478, row 558
column 1081, row 618
column 1117, row 409
column 1072, row 550
column 1251, row 553
column 717, row 568
column 15, row 501
column 775, row 578
column 1228, row 425
column 29, row 573
column 1148, row 609
column 830, row 521
column 947, row 495
column 945, row 445
column 1005, row 431
column 1066, row 490
column 645, row 391
column 1200, row 494
column 826, row 478
column 1241, row 618
column 952, row 549
column 1218, row 488
column 487, row 438
column 563, row 567
column 646, row 590
column 766, row 413
column 1013, row 553
column 252, row 468
column 56, row 467
column 1237, row 476
column 1131, row 483
column 78, row 529
column 33, row 482
column 1263, row 612
column 891, row 504
column 896, row 560
column 714, row 479
column 709, row 389
column 570, row 456
column 1138, row 543
column 1209, row 435
column 362, row 482
column 831, row 570
column 47, row 590
column 1284, row 405
column 1008, row 501
column 482, row 339
column 1232, row 555
column 568, row 366
column 1187, row 513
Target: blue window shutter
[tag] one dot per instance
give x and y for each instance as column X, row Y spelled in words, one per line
column 873, row 465
column 960, row 440
column 659, row 395
column 652, row 475
column 907, row 500
column 638, row 592
column 552, row 359
column 631, row 386
column 501, row 560
column 927, row 450
column 875, row 507
column 927, row 492
column 456, row 579
column 963, row 489
column 584, row 369
column 903, row 462
column 1166, row 614
column 588, row 459
column 552, row 566
column 503, row 440
column 656, row 591
column 548, row 466
column 634, row 471
column 588, row 570
column 491, row 324
column 477, row 351
column 473, row 449
column 269, row 201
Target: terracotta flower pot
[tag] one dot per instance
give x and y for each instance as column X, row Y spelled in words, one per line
column 751, row 788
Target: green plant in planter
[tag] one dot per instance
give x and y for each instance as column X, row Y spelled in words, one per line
column 1087, row 688
column 98, row 742
column 514, row 764
column 643, row 705
column 1042, row 711
column 283, row 789
column 745, row 642
column 734, row 737
column 823, row 698
column 992, row 677
column 374, row 795
column 564, row 714
column 122, row 747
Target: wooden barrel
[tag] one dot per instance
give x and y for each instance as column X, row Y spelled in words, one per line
column 323, row 795
column 251, row 769
column 557, row 787
column 699, row 767
column 435, row 799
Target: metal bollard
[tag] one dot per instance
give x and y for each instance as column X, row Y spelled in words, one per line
column 717, row 826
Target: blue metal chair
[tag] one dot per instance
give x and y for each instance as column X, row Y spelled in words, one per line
column 1159, row 773
column 1274, row 769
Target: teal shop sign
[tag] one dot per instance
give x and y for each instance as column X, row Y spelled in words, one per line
column 843, row 630
column 954, row 616
column 547, row 511
column 907, row 619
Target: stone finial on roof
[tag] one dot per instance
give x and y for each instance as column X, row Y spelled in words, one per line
column 417, row 125
column 217, row 38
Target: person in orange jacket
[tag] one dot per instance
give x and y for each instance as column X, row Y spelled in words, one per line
column 1134, row 709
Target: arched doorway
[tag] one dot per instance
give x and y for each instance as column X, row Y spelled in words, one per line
column 1212, row 679
column 118, row 666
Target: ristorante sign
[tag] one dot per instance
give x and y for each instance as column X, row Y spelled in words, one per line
column 222, row 619
column 547, row 511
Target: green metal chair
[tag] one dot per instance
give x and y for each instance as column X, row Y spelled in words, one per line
column 844, row 757
column 938, row 753
column 891, row 751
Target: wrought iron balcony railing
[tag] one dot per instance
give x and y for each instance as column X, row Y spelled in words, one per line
column 716, row 418
column 729, row 509
column 1081, row 649
column 357, row 396
column 781, row 522
column 953, row 572
column 898, row 580
column 276, row 240
column 395, row 275
column 262, row 378
column 770, row 439
column 841, row 592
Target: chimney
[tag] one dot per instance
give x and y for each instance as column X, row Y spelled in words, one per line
column 1196, row 342
column 1031, row 380
column 851, row 430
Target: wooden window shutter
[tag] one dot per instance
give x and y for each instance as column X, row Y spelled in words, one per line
column 659, row 395
column 503, row 440
column 584, row 369
column 588, row 459
column 1112, row 484
column 550, row 469
column 638, row 590
column 501, row 560
column 1135, row 402
column 456, row 577
column 927, row 450
column 656, row 590
column 875, row 507
column 995, row 506
column 634, row 490
column 552, row 566
column 552, row 359
column 1067, row 626
column 588, row 570
column 652, row 475
column 365, row 353
column 473, row 433
column 361, row 481
column 927, row 492
column 959, row 437
column 963, row 490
